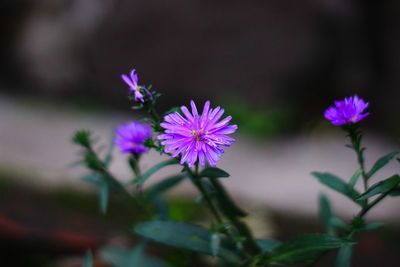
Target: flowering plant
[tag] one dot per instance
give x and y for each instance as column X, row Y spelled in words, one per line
column 196, row 141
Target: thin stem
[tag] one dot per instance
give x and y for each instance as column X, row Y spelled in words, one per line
column 355, row 137
column 241, row 227
column 364, row 211
column 153, row 113
column 196, row 181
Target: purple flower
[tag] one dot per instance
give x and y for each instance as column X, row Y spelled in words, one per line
column 197, row 136
column 347, row 111
column 130, row 137
column 132, row 81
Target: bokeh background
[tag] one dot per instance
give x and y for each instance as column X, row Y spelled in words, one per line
column 274, row 65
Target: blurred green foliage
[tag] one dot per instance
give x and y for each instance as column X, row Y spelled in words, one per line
column 258, row 122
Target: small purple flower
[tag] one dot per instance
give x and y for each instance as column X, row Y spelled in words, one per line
column 197, row 136
column 347, row 111
column 130, row 137
column 132, row 81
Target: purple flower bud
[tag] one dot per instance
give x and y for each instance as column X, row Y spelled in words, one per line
column 197, row 136
column 347, row 111
column 131, row 136
column 132, row 81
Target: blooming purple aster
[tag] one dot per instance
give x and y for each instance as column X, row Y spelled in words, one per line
column 132, row 81
column 197, row 136
column 130, row 137
column 347, row 111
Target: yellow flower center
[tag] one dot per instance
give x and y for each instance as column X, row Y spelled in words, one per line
column 198, row 134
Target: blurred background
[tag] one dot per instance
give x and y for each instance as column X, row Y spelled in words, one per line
column 274, row 65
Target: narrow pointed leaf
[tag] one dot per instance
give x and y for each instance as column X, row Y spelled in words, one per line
column 395, row 192
column 164, row 185
column 185, row 236
column 344, row 256
column 354, row 178
column 325, row 213
column 267, row 245
column 380, row 163
column 104, row 191
column 305, row 247
column 154, row 169
column 88, row 259
column 215, row 243
column 336, row 222
column 381, row 187
column 337, row 184
column 213, row 172
column 225, row 202
column 373, row 226
column 93, row 178
column 122, row 257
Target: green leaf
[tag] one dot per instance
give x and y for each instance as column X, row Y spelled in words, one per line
column 108, row 156
column 354, row 178
column 336, row 222
column 212, row 172
column 164, row 185
column 373, row 226
column 225, row 202
column 381, row 162
column 337, row 184
column 343, row 258
column 215, row 244
column 161, row 208
column 103, row 197
column 122, row 257
column 93, row 178
column 381, row 187
column 185, row 236
column 267, row 245
column 305, row 247
column 395, row 192
column 82, row 138
column 325, row 214
column 88, row 259
column 154, row 169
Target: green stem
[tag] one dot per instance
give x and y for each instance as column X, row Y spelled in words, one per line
column 196, row 181
column 153, row 113
column 241, row 227
column 355, row 137
column 364, row 211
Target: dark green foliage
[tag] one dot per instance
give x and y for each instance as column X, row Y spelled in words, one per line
column 225, row 202
column 305, row 248
column 93, row 162
column 103, row 196
column 344, row 255
column 122, row 257
column 381, row 162
column 164, row 185
column 215, row 244
column 338, row 185
column 267, row 245
column 82, row 138
column 185, row 236
column 381, row 187
column 354, row 178
column 154, row 169
column 88, row 262
column 325, row 213
column 212, row 172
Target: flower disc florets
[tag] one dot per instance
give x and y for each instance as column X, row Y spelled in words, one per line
column 130, row 137
column 197, row 136
column 347, row 111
